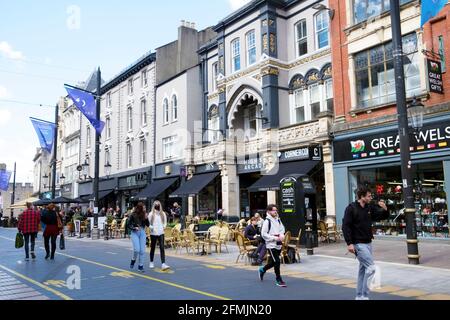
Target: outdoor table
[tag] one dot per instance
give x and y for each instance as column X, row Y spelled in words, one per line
column 202, row 236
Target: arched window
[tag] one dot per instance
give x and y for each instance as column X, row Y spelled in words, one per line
column 166, row 111
column 174, row 108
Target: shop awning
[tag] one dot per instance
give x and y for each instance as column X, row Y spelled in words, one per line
column 195, row 185
column 272, row 182
column 154, row 189
column 101, row 195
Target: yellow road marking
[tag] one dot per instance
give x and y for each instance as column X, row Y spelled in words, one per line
column 147, row 277
column 410, row 293
column 43, row 286
column 435, row 297
column 165, row 271
column 56, row 283
column 211, row 266
column 125, row 275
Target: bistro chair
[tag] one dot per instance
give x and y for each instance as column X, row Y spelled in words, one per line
column 168, row 237
column 122, row 229
column 285, row 247
column 244, row 250
column 296, row 246
column 213, row 236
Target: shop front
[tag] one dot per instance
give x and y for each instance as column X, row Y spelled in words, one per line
column 130, row 186
column 107, row 189
column 372, row 159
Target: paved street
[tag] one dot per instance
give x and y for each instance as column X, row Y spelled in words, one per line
column 105, row 274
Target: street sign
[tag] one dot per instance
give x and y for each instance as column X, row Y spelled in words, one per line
column 435, row 76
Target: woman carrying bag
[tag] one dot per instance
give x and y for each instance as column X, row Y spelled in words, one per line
column 136, row 224
column 158, row 222
column 53, row 227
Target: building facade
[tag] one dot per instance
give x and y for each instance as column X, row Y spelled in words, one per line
column 23, row 191
column 41, row 170
column 366, row 140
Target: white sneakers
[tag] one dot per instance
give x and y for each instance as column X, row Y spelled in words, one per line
column 362, row 298
column 165, row 266
column 152, row 265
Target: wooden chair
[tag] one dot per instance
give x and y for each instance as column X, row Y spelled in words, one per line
column 324, row 233
column 168, row 237
column 113, row 228
column 122, row 229
column 244, row 249
column 296, row 246
column 194, row 242
column 285, row 247
column 213, row 236
column 180, row 240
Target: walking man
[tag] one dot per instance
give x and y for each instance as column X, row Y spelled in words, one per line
column 28, row 225
column 357, row 229
column 273, row 234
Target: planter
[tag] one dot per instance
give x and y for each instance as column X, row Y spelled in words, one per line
column 203, row 227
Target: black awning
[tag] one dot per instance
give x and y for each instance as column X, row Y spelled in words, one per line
column 101, row 195
column 195, row 185
column 272, row 182
column 154, row 189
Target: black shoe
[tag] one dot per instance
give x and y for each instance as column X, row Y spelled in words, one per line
column 132, row 264
column 47, row 256
column 52, row 257
column 141, row 268
column 33, row 256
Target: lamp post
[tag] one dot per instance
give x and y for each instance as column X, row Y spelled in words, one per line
column 405, row 154
column 85, row 169
column 62, row 178
column 108, row 167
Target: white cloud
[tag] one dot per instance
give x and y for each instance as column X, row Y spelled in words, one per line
column 236, row 4
column 3, row 92
column 7, row 50
column 5, row 116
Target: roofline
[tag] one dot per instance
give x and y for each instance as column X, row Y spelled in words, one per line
column 128, row 72
column 208, row 46
column 177, row 75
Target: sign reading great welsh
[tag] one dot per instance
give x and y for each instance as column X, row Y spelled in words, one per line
column 431, row 138
column 435, row 76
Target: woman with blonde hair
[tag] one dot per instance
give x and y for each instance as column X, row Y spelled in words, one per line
column 158, row 222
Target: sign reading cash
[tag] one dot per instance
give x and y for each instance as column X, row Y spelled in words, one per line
column 288, row 195
column 435, row 76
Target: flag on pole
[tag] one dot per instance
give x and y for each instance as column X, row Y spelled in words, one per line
column 46, row 133
column 86, row 103
column 4, row 179
column 430, row 8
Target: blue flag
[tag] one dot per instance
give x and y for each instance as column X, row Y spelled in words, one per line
column 46, row 133
column 86, row 103
column 430, row 8
column 4, row 179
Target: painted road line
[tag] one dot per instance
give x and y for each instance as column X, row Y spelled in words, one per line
column 388, row 289
column 435, row 297
column 411, row 293
column 175, row 285
column 55, row 292
column 211, row 266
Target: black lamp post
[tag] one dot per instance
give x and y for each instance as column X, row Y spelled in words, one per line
column 108, row 167
column 85, row 169
column 405, row 154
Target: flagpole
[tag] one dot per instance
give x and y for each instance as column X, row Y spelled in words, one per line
column 96, row 233
column 55, row 148
column 14, row 190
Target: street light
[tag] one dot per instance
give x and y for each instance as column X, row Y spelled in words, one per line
column 61, row 179
column 321, row 6
column 108, row 167
column 415, row 114
column 85, row 166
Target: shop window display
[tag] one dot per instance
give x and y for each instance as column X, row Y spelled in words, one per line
column 430, row 198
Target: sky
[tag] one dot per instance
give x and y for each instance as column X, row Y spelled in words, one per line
column 44, row 44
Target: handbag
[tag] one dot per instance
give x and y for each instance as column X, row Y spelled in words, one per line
column 60, row 225
column 62, row 243
column 19, row 240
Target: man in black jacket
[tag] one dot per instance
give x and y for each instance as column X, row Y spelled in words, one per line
column 357, row 229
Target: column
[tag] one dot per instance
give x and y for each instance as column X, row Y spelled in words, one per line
column 272, row 197
column 230, row 190
column 329, row 179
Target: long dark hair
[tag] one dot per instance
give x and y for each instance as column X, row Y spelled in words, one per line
column 139, row 211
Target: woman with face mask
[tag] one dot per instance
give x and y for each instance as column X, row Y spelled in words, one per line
column 158, row 222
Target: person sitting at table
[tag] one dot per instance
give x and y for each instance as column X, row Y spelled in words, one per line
column 253, row 234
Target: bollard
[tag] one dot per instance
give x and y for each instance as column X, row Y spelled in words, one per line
column 105, row 231
column 309, row 239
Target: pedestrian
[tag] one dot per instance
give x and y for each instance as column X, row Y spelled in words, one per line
column 273, row 234
column 219, row 215
column 357, row 229
column 29, row 226
column 176, row 212
column 259, row 220
column 53, row 227
column 252, row 232
column 137, row 222
column 118, row 213
column 158, row 222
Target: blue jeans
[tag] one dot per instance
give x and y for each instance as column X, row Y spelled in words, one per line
column 139, row 239
column 366, row 268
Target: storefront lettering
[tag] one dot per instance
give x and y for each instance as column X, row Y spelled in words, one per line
column 297, row 153
column 426, row 136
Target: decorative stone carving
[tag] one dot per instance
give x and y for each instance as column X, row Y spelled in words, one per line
column 265, row 43
column 273, row 43
column 270, row 71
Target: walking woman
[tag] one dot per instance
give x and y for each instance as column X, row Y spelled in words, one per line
column 53, row 227
column 158, row 222
column 28, row 226
column 137, row 222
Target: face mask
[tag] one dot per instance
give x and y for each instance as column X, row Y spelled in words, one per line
column 157, row 208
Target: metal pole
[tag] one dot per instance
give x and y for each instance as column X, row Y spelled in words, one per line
column 14, row 190
column 96, row 232
column 405, row 155
column 55, row 148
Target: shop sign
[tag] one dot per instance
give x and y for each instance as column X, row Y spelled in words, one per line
column 305, row 153
column 209, row 167
column 288, row 195
column 435, row 76
column 432, row 137
column 138, row 179
column 252, row 164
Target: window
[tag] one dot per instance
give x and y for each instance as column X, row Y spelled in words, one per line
column 314, row 100
column 252, row 119
column 322, row 25
column 130, row 87
column 166, row 111
column 129, row 118
column 108, row 128
column 236, row 55
column 365, row 9
column 251, row 48
column 143, row 112
column 299, row 106
column 301, row 35
column 143, row 151
column 129, row 155
column 174, row 108
column 328, row 86
column 108, row 100
column 88, row 137
column 169, row 147
column 215, row 75
column 107, row 157
column 374, row 73
column 442, row 53
column 213, row 125
column 144, row 78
